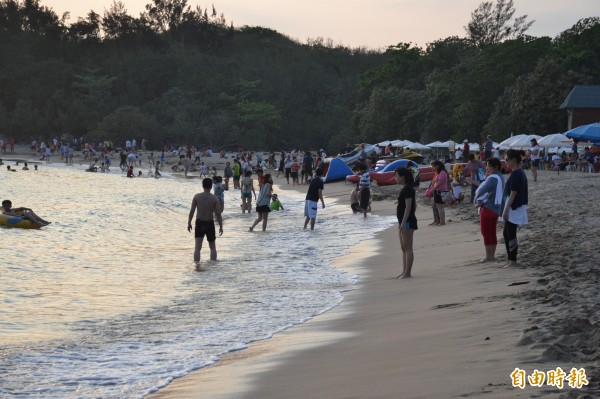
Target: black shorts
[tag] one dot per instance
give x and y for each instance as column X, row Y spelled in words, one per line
column 294, row 175
column 288, row 171
column 263, row 209
column 437, row 197
column 355, row 207
column 535, row 163
column 365, row 198
column 236, row 178
column 205, row 227
column 308, row 172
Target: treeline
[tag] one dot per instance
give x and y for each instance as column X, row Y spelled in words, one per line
column 182, row 75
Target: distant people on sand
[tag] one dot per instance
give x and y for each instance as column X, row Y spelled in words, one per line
column 364, row 186
column 23, row 213
column 439, row 186
column 407, row 220
column 207, row 208
column 263, row 201
column 488, row 200
column 466, row 151
column 247, row 189
column 515, row 208
column 228, row 173
column 535, row 158
column 311, row 203
column 474, row 173
column 25, row 167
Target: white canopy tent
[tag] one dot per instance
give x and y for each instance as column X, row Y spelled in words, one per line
column 384, row 143
column 419, row 147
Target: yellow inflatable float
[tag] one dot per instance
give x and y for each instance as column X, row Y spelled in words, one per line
column 16, row 221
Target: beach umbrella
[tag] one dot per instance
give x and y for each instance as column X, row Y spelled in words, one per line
column 436, row 144
column 402, row 143
column 524, row 141
column 419, row 146
column 552, row 140
column 589, row 133
column 384, row 143
column 508, row 142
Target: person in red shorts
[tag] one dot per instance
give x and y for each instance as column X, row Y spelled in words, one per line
column 488, row 199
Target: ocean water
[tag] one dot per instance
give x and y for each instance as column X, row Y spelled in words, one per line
column 106, row 303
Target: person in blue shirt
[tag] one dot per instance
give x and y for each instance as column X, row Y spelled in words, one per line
column 488, row 198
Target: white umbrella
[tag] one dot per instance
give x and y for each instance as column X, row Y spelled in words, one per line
column 436, row 144
column 384, row 143
column 419, row 146
column 552, row 140
column 402, row 143
column 508, row 142
column 525, row 141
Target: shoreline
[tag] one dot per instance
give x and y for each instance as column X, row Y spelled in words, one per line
column 319, row 358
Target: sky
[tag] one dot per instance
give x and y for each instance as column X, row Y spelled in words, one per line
column 375, row 24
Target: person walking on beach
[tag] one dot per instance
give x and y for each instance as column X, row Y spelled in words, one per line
column 365, row 190
column 515, row 208
column 247, row 188
column 236, row 169
column 488, row 198
column 228, row 173
column 314, row 194
column 263, row 201
column 535, row 159
column 207, row 207
column 439, row 185
column 219, row 190
column 405, row 212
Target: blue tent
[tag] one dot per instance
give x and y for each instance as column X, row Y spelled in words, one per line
column 338, row 170
column 589, row 133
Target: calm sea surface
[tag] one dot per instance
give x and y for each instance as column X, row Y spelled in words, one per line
column 105, row 302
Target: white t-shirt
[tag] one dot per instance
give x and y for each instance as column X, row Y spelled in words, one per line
column 535, row 157
column 458, row 154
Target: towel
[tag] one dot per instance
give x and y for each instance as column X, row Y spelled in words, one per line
column 484, row 196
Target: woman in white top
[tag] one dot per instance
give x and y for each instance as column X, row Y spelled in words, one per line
column 535, row 158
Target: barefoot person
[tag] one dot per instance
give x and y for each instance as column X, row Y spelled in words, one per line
column 535, row 159
column 488, row 198
column 314, row 194
column 263, row 201
column 208, row 207
column 439, row 185
column 405, row 212
column 23, row 213
column 247, row 188
column 515, row 209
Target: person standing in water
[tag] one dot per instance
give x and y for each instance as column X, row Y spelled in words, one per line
column 207, row 207
column 262, row 203
column 247, row 188
column 515, row 208
column 405, row 212
column 314, row 194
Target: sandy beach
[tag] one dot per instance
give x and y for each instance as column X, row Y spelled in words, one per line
column 457, row 329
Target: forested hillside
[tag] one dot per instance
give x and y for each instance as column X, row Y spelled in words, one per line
column 178, row 75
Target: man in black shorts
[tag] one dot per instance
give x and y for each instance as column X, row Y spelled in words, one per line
column 207, row 205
